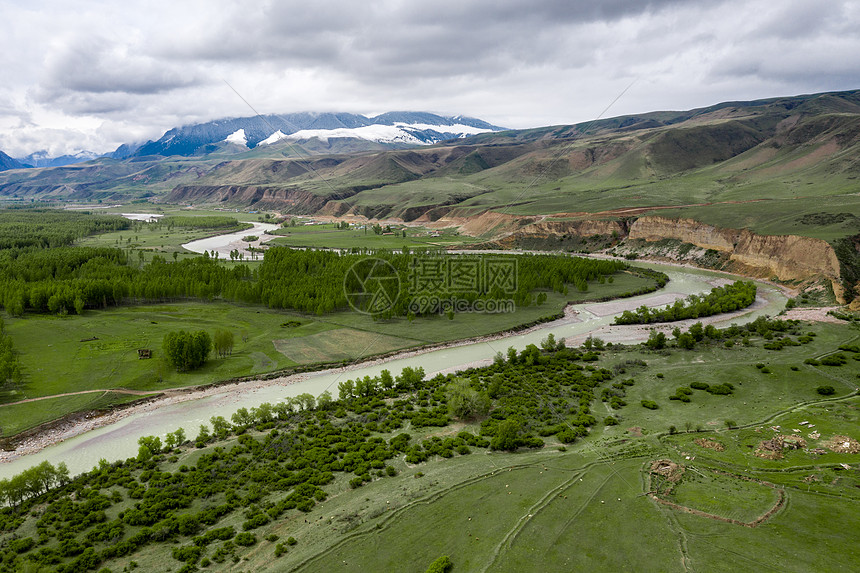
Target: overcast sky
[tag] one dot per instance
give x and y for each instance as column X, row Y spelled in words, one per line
column 92, row 75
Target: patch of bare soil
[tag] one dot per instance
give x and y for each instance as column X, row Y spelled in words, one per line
column 813, row 314
column 635, row 431
column 843, row 445
column 772, row 449
column 619, row 306
column 667, row 469
column 710, row 444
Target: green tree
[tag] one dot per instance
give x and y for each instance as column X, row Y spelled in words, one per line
column 242, row 418
column 465, row 402
column 324, row 400
column 223, row 342
column 507, row 436
column 386, row 379
column 687, row 341
column 656, row 340
column 548, row 343
column 151, row 443
column 187, row 350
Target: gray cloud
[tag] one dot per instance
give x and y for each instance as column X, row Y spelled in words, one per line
column 97, row 70
column 94, row 65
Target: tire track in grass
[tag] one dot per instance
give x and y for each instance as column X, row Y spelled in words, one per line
column 676, row 528
column 385, row 521
column 103, row 391
column 542, row 503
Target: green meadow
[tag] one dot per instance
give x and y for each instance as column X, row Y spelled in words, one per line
column 58, row 354
column 595, row 503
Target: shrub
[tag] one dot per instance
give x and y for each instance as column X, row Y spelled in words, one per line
column 721, row 389
column 188, row 553
column 700, row 385
column 826, row 390
column 566, row 436
column 441, row 565
column 834, row 360
column 245, row 539
column 610, row 421
column 650, row 404
column 22, row 545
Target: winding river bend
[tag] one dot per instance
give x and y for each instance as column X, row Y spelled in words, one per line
column 118, row 440
column 223, row 244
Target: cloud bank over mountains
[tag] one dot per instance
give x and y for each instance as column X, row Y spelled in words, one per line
column 94, row 74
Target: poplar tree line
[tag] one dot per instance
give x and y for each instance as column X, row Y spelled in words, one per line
column 205, row 222
column 71, row 279
column 47, row 228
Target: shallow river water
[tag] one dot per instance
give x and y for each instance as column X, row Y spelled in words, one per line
column 119, row 440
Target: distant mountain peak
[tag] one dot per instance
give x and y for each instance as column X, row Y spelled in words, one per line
column 399, row 128
column 7, row 163
column 43, row 158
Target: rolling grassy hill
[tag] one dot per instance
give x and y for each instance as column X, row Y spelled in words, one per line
column 762, row 165
column 775, row 149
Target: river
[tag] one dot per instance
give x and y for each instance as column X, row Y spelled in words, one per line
column 118, row 440
column 224, row 244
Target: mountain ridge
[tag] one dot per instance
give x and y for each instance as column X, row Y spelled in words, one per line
column 7, row 162
column 804, row 147
column 193, row 139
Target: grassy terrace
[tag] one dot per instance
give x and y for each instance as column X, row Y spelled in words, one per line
column 328, row 236
column 57, row 358
column 593, row 503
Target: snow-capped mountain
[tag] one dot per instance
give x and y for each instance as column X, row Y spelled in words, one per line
column 44, row 159
column 396, row 129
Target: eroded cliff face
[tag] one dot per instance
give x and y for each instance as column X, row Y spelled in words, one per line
column 686, row 230
column 532, row 235
column 581, row 228
column 786, row 257
column 488, row 224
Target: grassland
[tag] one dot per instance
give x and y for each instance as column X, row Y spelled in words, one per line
column 328, row 236
column 587, row 505
column 20, row 417
column 57, row 358
column 586, row 508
